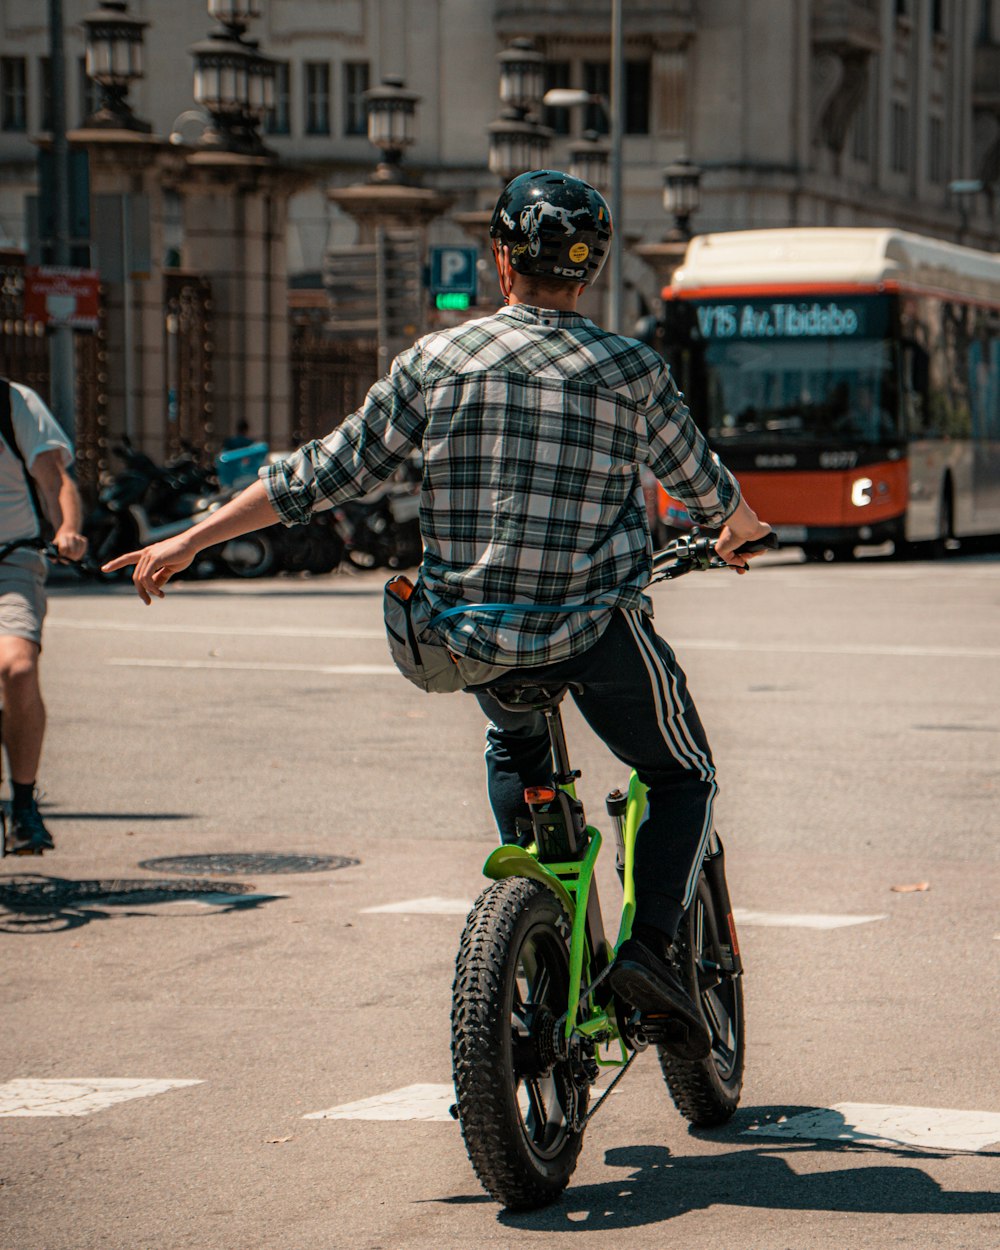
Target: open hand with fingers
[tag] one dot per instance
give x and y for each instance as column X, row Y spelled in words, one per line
column 155, row 565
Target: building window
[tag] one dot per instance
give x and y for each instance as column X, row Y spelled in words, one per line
column 900, row 139
column 637, row 93
column 90, row 92
column 937, row 17
column 935, row 150
column 861, row 137
column 357, row 77
column 597, row 80
column 317, row 98
column 902, row 8
column 45, row 91
column 13, row 93
column 557, row 74
column 278, row 120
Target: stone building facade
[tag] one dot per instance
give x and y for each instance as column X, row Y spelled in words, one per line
column 798, row 112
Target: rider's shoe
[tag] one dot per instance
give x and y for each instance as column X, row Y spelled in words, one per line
column 645, row 979
column 28, row 835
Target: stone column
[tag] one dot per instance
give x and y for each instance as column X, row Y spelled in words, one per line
column 235, row 210
column 126, row 211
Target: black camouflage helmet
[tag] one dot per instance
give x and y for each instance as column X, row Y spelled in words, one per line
column 556, row 226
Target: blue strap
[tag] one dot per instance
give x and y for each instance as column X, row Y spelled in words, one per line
column 516, row 607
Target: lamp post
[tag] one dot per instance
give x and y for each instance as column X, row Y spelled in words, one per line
column 682, row 195
column 964, row 191
column 391, row 125
column 114, row 60
column 233, row 80
column 517, row 142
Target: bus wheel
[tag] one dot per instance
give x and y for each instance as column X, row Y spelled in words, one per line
column 831, row 552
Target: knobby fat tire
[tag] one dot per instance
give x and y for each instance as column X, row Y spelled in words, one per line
column 698, row 1089
column 502, row 918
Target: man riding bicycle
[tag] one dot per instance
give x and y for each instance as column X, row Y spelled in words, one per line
column 533, row 423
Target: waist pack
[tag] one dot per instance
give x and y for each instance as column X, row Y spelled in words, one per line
column 428, row 664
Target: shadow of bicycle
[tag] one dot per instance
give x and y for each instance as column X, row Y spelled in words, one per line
column 660, row 1186
column 34, row 903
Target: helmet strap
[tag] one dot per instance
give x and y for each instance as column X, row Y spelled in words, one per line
column 502, row 265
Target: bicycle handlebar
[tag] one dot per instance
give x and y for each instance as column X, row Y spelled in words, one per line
column 690, row 552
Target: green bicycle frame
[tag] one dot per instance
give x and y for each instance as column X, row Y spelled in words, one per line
column 571, row 883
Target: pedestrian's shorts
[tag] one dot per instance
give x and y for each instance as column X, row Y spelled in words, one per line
column 22, row 602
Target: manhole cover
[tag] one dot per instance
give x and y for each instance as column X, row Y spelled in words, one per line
column 255, row 864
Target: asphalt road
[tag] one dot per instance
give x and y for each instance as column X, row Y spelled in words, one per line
column 854, row 715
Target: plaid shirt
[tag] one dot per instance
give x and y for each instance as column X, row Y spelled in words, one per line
column 533, row 425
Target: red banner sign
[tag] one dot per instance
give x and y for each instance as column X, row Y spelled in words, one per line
column 61, row 297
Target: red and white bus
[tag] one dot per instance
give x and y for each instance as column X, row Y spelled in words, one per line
column 849, row 377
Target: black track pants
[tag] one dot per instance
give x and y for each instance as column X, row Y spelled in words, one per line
column 635, row 699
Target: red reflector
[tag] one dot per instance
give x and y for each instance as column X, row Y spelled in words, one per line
column 539, row 794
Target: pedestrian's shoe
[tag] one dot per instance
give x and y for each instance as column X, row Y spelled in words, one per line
column 28, row 835
column 645, row 980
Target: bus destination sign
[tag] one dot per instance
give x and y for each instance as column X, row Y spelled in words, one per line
column 803, row 319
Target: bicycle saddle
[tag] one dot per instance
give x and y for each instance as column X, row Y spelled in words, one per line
column 524, row 695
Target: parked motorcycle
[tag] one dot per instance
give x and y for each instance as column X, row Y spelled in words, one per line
column 146, row 503
column 382, row 528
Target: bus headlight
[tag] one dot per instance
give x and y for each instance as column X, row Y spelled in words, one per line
column 861, row 489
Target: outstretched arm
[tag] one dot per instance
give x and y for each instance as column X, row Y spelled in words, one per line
column 156, row 564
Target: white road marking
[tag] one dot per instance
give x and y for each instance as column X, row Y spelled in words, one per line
column 76, row 1096
column 225, row 631
column 931, row 1128
column 412, row 1102
column 793, row 920
column 435, row 906
column 341, row 670
column 432, row 906
column 224, row 900
column 904, row 650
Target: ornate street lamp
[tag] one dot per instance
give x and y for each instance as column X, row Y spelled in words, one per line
column 114, row 60
column 233, row 80
column 589, row 159
column 391, row 125
column 682, row 194
column 522, row 75
column 518, row 142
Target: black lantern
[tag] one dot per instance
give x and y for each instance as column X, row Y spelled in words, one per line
column 517, row 144
column 392, row 114
column 114, row 60
column 234, row 16
column 589, row 159
column 682, row 193
column 522, row 75
column 233, row 80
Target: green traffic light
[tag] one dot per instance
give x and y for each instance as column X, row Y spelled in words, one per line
column 452, row 301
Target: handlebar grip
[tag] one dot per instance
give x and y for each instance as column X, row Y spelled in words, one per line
column 768, row 543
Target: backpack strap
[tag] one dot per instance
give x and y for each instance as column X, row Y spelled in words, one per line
column 7, row 430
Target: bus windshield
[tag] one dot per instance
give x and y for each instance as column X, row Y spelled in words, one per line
column 772, row 377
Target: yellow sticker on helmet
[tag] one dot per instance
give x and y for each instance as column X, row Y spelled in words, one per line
column 578, row 252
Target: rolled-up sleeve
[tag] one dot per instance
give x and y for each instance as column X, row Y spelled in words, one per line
column 363, row 451
column 683, row 461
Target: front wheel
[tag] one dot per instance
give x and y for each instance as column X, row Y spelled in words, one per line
column 707, row 1091
column 518, row 1104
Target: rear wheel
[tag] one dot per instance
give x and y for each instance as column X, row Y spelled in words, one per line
column 707, row 1091
column 518, row 1104
column 250, row 555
